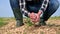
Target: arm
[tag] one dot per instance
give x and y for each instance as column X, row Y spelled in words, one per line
column 42, row 9
column 25, row 12
column 22, row 8
column 44, row 5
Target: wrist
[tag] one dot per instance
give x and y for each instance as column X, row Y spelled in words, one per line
column 28, row 14
column 41, row 13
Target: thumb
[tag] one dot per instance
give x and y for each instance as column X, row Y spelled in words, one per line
column 40, row 12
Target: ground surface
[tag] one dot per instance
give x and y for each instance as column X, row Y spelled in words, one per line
column 52, row 27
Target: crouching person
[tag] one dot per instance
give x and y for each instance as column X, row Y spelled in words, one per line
column 33, row 9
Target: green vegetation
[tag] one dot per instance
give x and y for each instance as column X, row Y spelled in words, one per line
column 51, row 18
column 2, row 22
column 56, row 17
column 28, row 22
column 24, row 32
column 41, row 32
column 4, row 19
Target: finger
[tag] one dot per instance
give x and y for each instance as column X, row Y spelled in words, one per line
column 31, row 16
column 33, row 20
column 34, row 17
column 40, row 12
column 37, row 19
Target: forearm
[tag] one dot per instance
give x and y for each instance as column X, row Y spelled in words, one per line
column 22, row 8
column 44, row 5
column 25, row 12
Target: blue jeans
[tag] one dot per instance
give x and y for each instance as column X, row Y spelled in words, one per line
column 52, row 7
column 17, row 13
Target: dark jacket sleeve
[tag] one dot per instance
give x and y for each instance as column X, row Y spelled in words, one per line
column 44, row 5
column 22, row 4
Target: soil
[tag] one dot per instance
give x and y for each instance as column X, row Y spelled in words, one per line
column 52, row 27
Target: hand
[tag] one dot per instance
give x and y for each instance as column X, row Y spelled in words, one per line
column 37, row 19
column 38, row 16
column 32, row 16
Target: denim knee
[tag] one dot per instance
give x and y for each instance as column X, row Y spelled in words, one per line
column 54, row 3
